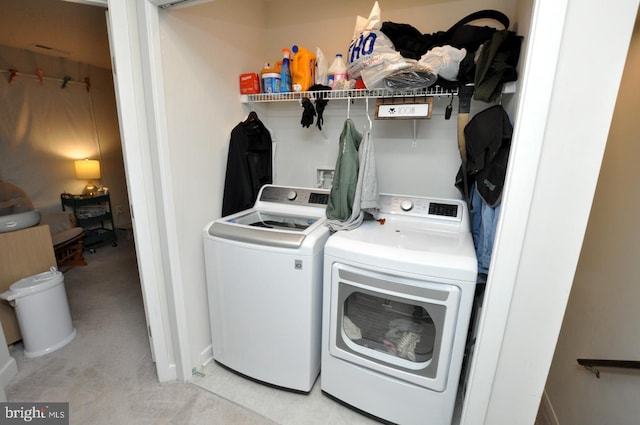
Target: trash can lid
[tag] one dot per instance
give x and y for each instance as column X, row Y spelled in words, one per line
column 38, row 282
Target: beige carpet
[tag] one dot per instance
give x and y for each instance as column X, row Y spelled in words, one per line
column 106, row 373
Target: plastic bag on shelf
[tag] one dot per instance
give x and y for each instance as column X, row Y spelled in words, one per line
column 412, row 78
column 321, row 68
column 444, row 61
column 372, row 55
column 344, row 85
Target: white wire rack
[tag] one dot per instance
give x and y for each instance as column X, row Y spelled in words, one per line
column 348, row 94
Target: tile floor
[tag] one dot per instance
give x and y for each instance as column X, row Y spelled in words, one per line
column 287, row 408
column 283, row 407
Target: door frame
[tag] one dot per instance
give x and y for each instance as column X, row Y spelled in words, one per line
column 140, row 112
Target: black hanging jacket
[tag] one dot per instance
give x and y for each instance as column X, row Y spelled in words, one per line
column 248, row 165
column 488, row 142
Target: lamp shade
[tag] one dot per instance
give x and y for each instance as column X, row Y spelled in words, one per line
column 87, row 169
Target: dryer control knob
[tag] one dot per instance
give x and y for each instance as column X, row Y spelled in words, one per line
column 406, row 205
column 292, row 195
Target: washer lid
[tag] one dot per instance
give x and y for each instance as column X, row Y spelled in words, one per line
column 269, row 228
column 274, row 220
column 38, row 282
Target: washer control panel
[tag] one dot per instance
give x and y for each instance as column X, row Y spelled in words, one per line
column 294, row 195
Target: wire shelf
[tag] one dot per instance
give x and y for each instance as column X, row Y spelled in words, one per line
column 348, row 94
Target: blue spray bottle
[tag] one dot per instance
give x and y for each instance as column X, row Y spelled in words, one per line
column 285, row 73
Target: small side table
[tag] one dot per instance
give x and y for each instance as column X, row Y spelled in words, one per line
column 93, row 214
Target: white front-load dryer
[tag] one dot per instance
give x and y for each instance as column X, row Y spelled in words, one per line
column 264, row 283
column 398, row 295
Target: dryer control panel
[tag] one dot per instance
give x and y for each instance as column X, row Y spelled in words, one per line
column 445, row 211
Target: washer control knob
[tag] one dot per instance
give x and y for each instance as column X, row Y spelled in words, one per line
column 406, row 205
column 292, row 195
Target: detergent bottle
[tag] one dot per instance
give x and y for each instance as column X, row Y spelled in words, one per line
column 337, row 70
column 270, row 79
column 303, row 66
column 285, row 72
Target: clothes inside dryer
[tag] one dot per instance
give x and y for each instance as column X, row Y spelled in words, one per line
column 397, row 328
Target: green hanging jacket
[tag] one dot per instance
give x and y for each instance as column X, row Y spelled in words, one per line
column 345, row 178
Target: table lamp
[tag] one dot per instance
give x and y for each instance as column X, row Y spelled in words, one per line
column 88, row 169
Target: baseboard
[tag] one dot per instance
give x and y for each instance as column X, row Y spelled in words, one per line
column 167, row 374
column 206, row 356
column 548, row 409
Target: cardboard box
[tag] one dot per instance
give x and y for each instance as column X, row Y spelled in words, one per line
column 249, row 83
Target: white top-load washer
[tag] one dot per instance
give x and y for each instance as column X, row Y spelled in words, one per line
column 398, row 295
column 264, row 281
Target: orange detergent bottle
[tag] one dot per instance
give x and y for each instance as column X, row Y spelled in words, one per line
column 303, row 67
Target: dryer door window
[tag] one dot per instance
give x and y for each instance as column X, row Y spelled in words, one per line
column 396, row 325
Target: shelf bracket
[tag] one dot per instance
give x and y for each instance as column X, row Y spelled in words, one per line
column 593, row 370
column 415, row 134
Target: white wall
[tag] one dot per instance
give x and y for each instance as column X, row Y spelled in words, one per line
column 206, row 47
column 330, row 24
column 426, row 166
column 602, row 314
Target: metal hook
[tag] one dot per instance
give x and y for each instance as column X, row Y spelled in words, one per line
column 348, row 107
column 368, row 116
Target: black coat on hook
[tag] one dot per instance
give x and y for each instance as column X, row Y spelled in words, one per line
column 249, row 164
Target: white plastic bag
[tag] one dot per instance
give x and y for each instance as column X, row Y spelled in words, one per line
column 444, row 61
column 371, row 53
column 321, row 68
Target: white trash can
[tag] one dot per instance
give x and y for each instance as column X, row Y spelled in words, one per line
column 43, row 312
